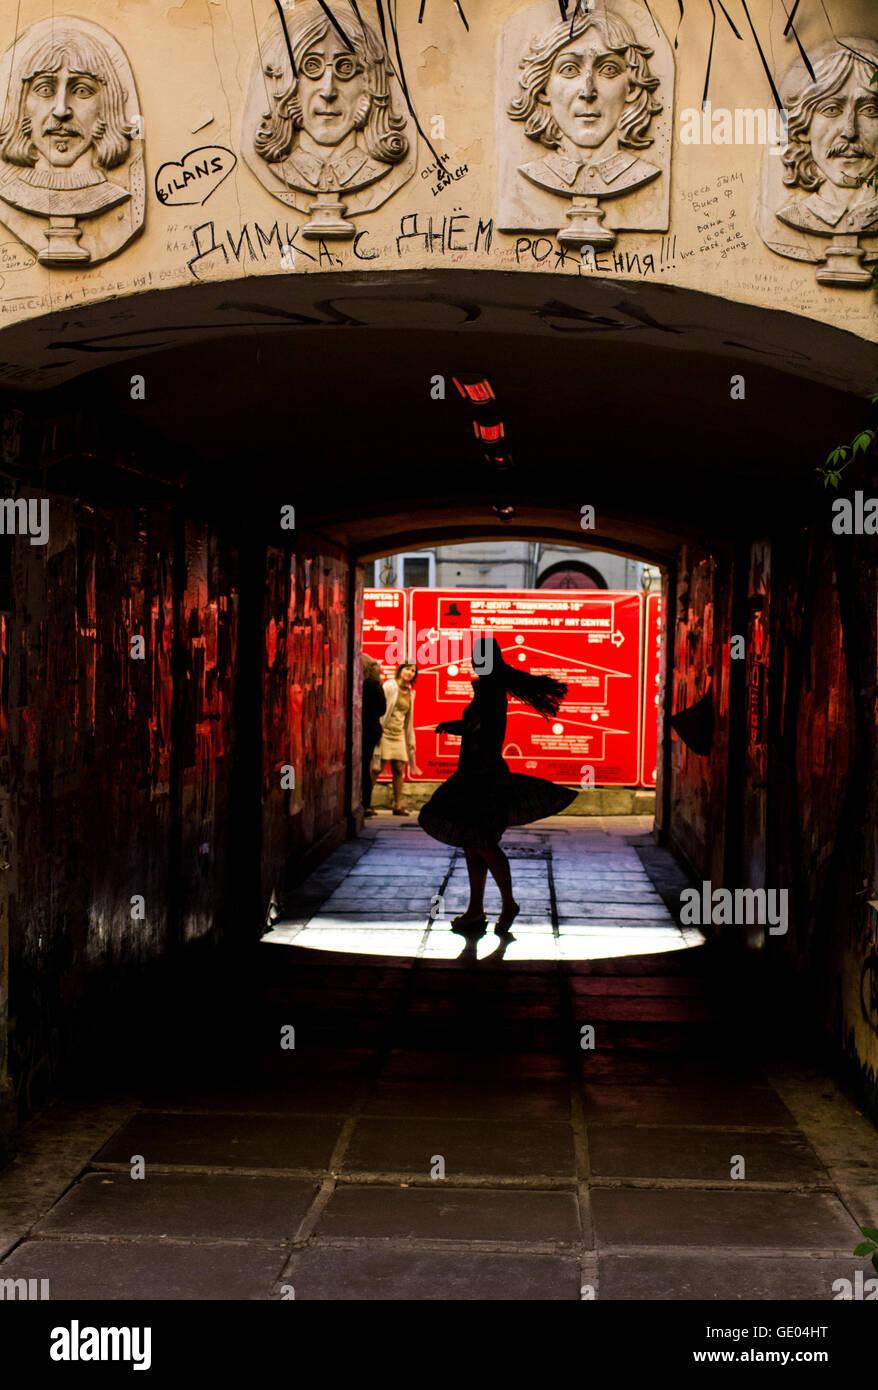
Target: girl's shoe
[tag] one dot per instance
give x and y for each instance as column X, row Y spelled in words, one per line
column 505, row 920
column 464, row 923
column 401, row 813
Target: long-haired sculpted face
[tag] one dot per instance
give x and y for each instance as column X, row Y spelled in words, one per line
column 336, row 91
column 70, row 100
column 833, row 126
column 584, row 82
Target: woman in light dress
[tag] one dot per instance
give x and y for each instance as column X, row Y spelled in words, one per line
column 397, row 745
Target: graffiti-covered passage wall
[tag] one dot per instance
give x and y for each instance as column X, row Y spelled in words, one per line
column 121, row 663
column 699, row 768
column 823, row 780
column 305, row 709
column 772, row 772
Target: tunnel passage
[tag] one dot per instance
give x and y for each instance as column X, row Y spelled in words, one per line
column 147, row 776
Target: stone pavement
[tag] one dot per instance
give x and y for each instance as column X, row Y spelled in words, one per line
column 438, row 1130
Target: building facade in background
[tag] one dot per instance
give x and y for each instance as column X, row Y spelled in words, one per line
column 510, row 565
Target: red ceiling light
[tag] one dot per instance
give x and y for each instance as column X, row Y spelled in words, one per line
column 474, row 388
column 500, row 460
column 489, row 434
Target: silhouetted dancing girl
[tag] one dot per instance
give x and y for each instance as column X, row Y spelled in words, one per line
column 474, row 807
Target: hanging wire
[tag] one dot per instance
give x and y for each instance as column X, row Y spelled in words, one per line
column 400, row 70
column 865, row 57
column 710, row 50
column 335, row 24
column 283, row 20
column 790, row 28
column 774, row 91
column 462, row 15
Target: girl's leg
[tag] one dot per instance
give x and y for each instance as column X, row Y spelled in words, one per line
column 478, row 873
column 398, row 769
column 496, row 861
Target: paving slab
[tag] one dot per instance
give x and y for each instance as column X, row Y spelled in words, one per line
column 690, row 1105
column 442, row 1212
column 224, row 1206
column 702, row 1155
column 750, row 1279
column 471, row 1148
column 250, row 1141
column 432, row 1275
column 814, row 1221
column 470, row 1099
column 106, row 1270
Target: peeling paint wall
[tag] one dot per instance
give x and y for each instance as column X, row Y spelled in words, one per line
column 304, row 708
column 89, row 739
column 698, row 787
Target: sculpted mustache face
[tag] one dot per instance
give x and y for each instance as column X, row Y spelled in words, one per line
column 844, row 135
column 64, row 110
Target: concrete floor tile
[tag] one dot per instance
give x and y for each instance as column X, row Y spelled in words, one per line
column 742, row 1220
column 447, row 1213
column 671, row 1278
column 651, row 1008
column 471, row 1099
column 703, row 1155
column 491, row 1068
column 224, row 1206
column 225, row 1140
column 704, row 1104
column 433, row 1275
column 147, row 1270
column 471, row 1148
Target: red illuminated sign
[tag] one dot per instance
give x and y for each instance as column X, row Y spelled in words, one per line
column 590, row 639
column 651, row 678
column 384, row 620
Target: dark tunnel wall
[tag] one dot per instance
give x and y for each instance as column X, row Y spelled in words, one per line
column 127, row 821
column 121, row 669
column 304, row 710
column 786, row 798
column 699, row 783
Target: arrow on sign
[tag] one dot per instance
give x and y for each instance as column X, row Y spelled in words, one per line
column 617, row 638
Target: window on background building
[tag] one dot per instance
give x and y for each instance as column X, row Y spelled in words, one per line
column 414, row 570
column 418, row 571
column 571, row 574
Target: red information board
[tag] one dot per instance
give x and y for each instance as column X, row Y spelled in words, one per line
column 384, row 621
column 651, row 677
column 592, row 639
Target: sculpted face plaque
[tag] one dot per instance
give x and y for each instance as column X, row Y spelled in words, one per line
column 71, row 165
column 586, row 94
column 336, row 138
column 816, row 204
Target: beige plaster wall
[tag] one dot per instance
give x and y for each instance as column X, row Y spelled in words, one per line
column 192, row 63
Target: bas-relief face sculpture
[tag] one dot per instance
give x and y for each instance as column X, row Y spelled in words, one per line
column 832, row 151
column 586, row 93
column 64, row 125
column 332, row 130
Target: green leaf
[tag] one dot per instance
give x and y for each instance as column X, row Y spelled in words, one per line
column 864, row 1248
column 870, row 1231
column 862, row 442
column 840, row 453
column 875, row 1262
